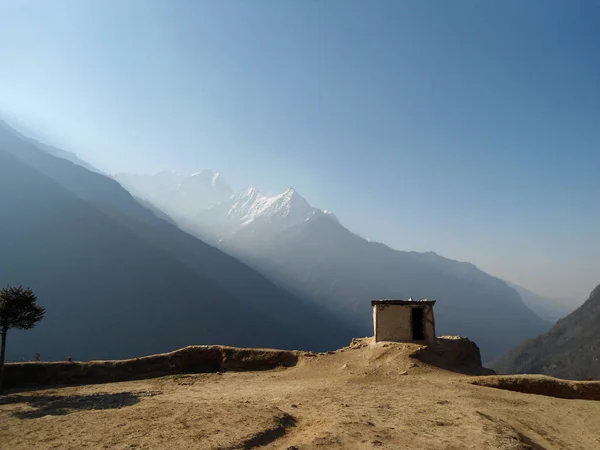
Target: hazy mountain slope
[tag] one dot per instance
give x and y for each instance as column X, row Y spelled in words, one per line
column 322, row 259
column 176, row 194
column 325, row 332
column 89, row 241
column 24, row 134
column 547, row 308
column 310, row 253
column 159, row 213
column 320, row 328
column 90, row 186
column 106, row 291
column 571, row 349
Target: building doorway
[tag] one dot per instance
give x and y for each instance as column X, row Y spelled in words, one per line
column 418, row 325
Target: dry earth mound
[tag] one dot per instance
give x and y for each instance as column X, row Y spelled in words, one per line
column 368, row 395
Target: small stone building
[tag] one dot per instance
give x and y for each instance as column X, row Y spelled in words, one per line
column 404, row 320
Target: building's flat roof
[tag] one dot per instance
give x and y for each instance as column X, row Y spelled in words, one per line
column 402, row 302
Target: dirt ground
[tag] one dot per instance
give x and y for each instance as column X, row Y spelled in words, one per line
column 356, row 398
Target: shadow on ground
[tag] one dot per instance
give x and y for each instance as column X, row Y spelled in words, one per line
column 57, row 405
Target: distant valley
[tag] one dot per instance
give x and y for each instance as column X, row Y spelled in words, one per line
column 550, row 309
column 570, row 349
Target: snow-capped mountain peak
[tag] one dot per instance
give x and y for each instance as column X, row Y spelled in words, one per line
column 206, row 200
column 252, row 205
column 251, row 209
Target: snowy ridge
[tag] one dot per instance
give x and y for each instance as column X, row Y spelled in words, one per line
column 284, row 206
column 251, row 208
column 206, row 200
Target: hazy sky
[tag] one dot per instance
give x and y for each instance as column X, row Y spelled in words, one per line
column 468, row 128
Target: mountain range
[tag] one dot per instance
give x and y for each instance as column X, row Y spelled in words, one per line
column 147, row 263
column 309, row 252
column 570, row 349
column 121, row 280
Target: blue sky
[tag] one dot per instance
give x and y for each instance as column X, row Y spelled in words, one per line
column 468, row 128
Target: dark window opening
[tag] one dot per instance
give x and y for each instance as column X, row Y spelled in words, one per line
column 418, row 328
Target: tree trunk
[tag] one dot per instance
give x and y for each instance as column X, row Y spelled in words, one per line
column 2, row 355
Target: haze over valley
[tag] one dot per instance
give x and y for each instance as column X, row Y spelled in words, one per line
column 310, row 252
column 288, row 260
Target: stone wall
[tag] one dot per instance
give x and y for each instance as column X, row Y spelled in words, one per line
column 193, row 359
